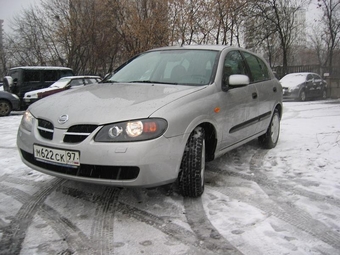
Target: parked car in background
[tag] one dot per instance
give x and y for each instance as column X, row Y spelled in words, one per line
column 156, row 120
column 70, row 82
column 8, row 102
column 27, row 78
column 303, row 86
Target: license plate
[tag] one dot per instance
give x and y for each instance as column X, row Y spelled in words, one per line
column 56, row 156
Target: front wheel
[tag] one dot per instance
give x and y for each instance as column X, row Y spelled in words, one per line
column 271, row 137
column 191, row 177
column 302, row 96
column 5, row 108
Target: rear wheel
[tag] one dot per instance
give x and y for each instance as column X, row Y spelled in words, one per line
column 5, row 108
column 271, row 137
column 191, row 177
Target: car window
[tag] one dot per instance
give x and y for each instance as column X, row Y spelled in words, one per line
column 14, row 74
column 317, row 78
column 50, row 75
column 233, row 64
column 31, row 75
column 309, row 77
column 258, row 68
column 64, row 73
column 178, row 67
column 90, row 81
column 76, row 82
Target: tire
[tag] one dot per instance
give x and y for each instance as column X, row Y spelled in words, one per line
column 191, row 176
column 302, row 96
column 5, row 108
column 271, row 137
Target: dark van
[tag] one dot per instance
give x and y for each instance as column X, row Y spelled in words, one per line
column 27, row 78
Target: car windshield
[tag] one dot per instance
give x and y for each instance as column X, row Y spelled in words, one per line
column 61, row 83
column 184, row 67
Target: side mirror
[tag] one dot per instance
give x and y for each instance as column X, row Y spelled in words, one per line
column 238, row 80
column 234, row 81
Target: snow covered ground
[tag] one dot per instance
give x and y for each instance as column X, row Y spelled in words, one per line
column 280, row 201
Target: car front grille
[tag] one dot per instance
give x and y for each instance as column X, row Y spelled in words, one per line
column 78, row 133
column 88, row 171
column 45, row 129
column 74, row 134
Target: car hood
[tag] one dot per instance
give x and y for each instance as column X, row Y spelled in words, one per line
column 107, row 103
column 291, row 83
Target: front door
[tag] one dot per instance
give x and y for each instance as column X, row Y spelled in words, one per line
column 239, row 107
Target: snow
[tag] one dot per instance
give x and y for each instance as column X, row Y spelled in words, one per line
column 280, row 201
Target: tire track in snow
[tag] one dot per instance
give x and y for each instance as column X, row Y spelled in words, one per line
column 14, row 234
column 204, row 230
column 105, row 210
column 282, row 210
column 77, row 241
column 102, row 230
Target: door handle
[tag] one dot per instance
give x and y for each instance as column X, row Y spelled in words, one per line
column 274, row 89
column 254, row 95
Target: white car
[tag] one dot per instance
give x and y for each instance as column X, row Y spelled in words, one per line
column 60, row 85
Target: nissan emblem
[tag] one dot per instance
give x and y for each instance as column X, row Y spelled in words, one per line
column 63, row 119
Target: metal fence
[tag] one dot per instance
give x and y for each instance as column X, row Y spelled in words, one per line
column 333, row 72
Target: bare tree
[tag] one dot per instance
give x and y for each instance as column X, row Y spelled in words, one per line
column 330, row 36
column 277, row 18
column 139, row 24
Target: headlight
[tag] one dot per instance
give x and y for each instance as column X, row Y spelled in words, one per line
column 130, row 131
column 27, row 121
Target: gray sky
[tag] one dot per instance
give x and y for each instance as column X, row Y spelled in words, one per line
column 10, row 8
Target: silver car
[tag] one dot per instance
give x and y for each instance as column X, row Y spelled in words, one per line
column 156, row 120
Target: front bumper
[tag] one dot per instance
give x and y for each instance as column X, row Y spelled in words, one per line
column 290, row 94
column 29, row 101
column 135, row 164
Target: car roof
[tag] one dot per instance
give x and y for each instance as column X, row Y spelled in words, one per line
column 195, row 47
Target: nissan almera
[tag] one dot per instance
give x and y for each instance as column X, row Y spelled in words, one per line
column 156, row 120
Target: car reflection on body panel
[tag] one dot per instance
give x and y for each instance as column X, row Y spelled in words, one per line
column 156, row 120
column 302, row 86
